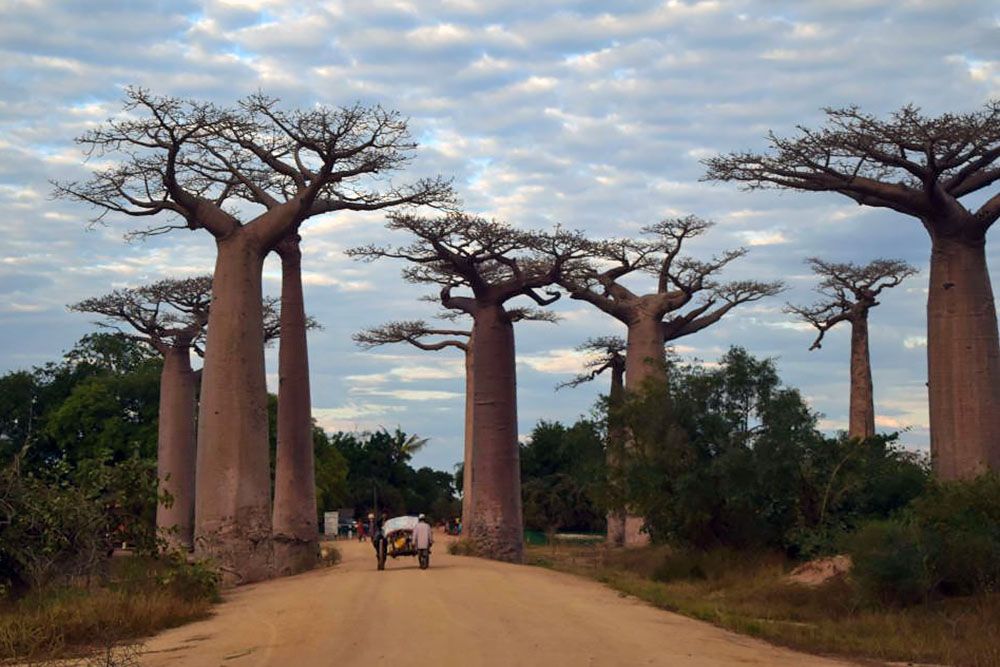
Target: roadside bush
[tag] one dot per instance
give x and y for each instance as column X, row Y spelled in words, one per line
column 193, row 581
column 960, row 525
column 890, row 563
column 946, row 543
column 62, row 523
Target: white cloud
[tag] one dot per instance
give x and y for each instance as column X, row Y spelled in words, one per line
column 593, row 115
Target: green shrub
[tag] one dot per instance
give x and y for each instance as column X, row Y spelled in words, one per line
column 890, row 563
column 191, row 581
column 960, row 525
column 946, row 543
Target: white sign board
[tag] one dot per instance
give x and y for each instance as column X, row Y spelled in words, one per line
column 330, row 521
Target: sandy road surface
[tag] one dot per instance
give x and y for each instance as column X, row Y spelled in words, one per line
column 462, row 611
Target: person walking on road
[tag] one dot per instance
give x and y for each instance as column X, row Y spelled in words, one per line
column 422, row 541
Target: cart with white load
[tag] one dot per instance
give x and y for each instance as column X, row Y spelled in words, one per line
column 397, row 540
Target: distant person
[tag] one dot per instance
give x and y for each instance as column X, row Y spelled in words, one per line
column 423, row 538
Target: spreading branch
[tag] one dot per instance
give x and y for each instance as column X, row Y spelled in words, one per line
column 490, row 261
column 918, row 165
column 680, row 280
column 200, row 162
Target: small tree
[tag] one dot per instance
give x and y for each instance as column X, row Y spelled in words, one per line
column 848, row 292
column 925, row 168
column 494, row 263
column 202, row 163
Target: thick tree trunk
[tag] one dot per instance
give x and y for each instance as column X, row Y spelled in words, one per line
column 645, row 361
column 296, row 538
column 496, row 528
column 644, row 355
column 862, row 414
column 232, row 500
column 616, row 441
column 467, row 458
column 176, row 449
column 963, row 360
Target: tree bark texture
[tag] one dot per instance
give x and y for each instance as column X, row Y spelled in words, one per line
column 963, row 360
column 496, row 529
column 467, row 484
column 232, row 501
column 862, row 411
column 176, row 448
column 296, row 536
column 645, row 360
column 644, row 355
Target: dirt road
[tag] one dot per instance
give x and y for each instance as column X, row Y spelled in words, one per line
column 462, row 611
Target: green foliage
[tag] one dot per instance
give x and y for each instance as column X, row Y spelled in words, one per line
column 190, row 581
column 378, row 463
column 78, row 441
column 724, row 455
column 139, row 596
column 331, row 473
column 946, row 543
column 63, row 522
column 960, row 525
column 562, row 471
column 890, row 562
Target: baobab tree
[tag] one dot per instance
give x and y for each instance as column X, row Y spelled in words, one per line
column 202, row 166
column 296, row 535
column 493, row 263
column 939, row 170
column 170, row 317
column 608, row 354
column 847, row 293
column 653, row 318
column 417, row 333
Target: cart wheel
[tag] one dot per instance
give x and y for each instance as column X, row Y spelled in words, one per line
column 381, row 555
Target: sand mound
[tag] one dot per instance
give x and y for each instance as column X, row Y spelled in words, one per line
column 820, row 571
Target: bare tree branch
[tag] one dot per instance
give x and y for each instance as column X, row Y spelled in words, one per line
column 918, row 165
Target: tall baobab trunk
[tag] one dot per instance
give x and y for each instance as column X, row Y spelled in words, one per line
column 862, row 410
column 176, row 448
column 232, row 498
column 644, row 355
column 496, row 528
column 616, row 441
column 644, row 360
column 963, row 360
column 296, row 538
column 470, row 398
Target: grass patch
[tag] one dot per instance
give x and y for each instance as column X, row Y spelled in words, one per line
column 748, row 593
column 144, row 597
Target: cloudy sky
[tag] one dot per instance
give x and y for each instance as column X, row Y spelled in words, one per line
column 594, row 115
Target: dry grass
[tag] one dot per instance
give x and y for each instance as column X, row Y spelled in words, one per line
column 68, row 622
column 750, row 595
